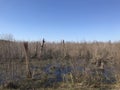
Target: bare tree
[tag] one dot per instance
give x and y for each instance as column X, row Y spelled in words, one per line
column 28, row 72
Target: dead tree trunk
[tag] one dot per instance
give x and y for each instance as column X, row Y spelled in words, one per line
column 63, row 49
column 42, row 48
column 43, row 43
column 28, row 72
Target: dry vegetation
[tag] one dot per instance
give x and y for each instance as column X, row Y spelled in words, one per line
column 33, row 65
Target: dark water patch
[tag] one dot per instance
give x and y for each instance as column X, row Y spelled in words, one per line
column 57, row 71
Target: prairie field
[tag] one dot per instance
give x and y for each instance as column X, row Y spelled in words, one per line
column 41, row 65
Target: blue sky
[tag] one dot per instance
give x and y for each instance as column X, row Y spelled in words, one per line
column 54, row 20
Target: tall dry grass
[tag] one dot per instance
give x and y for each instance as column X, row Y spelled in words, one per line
column 89, row 63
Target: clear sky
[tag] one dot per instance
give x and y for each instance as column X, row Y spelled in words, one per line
column 54, row 20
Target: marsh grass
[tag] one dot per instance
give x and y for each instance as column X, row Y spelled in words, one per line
column 60, row 65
